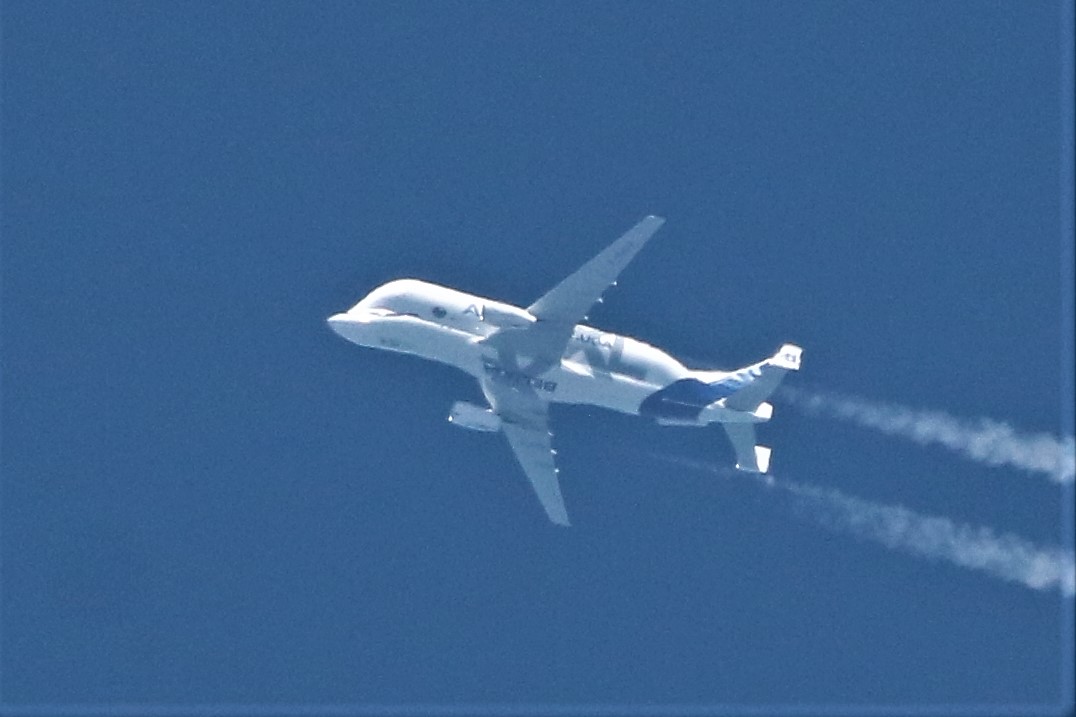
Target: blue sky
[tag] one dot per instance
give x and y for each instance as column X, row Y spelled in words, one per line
column 209, row 498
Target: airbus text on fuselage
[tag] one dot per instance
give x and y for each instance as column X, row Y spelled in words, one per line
column 526, row 359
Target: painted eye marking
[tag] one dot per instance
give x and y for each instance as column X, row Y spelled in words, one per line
column 439, row 312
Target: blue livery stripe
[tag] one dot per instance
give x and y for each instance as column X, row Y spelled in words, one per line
column 685, row 399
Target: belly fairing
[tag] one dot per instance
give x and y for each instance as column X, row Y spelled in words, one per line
column 427, row 340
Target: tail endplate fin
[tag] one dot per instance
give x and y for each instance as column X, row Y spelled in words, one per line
column 787, row 357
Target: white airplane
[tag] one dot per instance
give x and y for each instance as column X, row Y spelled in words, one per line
column 525, row 359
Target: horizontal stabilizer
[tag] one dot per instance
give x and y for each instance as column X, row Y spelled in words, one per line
column 749, row 457
column 762, row 379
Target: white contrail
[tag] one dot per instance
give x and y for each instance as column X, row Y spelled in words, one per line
column 1005, row 556
column 985, row 441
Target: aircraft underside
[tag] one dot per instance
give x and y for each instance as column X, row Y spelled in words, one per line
column 526, row 359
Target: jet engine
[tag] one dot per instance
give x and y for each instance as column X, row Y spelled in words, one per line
column 476, row 418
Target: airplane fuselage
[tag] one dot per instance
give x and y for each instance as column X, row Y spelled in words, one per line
column 527, row 359
column 597, row 368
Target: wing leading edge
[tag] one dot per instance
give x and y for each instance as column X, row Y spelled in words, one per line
column 566, row 304
column 525, row 423
column 569, row 300
column 524, row 415
column 534, row 451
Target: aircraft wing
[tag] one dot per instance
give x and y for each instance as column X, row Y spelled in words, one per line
column 566, row 304
column 524, row 415
column 569, row 301
column 525, row 423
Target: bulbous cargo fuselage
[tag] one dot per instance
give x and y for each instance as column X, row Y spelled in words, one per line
column 445, row 325
column 525, row 359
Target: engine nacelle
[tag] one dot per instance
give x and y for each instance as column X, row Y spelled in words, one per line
column 476, row 418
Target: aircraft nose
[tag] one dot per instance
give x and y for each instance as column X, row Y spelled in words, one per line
column 336, row 322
